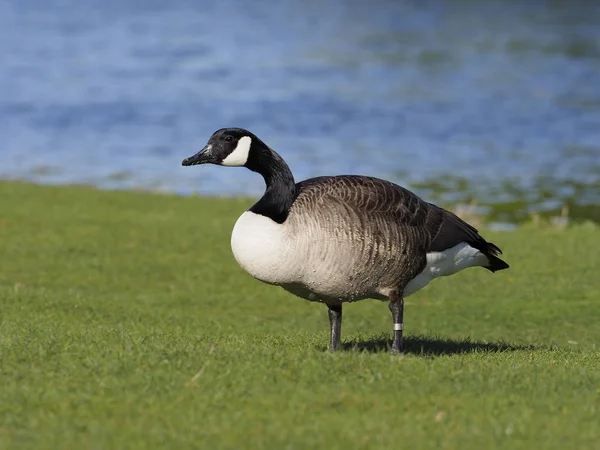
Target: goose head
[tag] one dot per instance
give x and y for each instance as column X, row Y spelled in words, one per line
column 236, row 147
column 233, row 147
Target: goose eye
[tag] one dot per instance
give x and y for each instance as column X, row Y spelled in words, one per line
column 229, row 138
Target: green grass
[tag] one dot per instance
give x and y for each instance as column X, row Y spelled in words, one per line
column 126, row 323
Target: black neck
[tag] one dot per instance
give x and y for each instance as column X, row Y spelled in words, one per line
column 281, row 187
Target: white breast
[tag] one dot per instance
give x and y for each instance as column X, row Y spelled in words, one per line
column 448, row 262
column 262, row 248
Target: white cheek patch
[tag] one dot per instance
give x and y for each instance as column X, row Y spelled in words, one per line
column 239, row 155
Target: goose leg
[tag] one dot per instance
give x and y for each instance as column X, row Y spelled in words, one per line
column 397, row 309
column 335, row 323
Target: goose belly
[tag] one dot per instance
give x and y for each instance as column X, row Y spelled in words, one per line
column 336, row 271
column 334, row 266
column 262, row 248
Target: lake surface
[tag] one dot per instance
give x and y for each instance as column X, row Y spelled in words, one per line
column 493, row 100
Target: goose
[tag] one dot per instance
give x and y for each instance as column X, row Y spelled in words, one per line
column 342, row 238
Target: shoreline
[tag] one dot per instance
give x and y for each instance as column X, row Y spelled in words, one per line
column 473, row 212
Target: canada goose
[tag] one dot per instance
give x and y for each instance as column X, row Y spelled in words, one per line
column 345, row 238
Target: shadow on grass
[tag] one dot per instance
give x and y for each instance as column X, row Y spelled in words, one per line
column 432, row 346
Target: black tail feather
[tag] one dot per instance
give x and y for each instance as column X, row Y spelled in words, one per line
column 495, row 263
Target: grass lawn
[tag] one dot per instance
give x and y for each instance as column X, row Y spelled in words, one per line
column 125, row 322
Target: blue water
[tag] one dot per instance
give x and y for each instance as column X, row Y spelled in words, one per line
column 116, row 93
